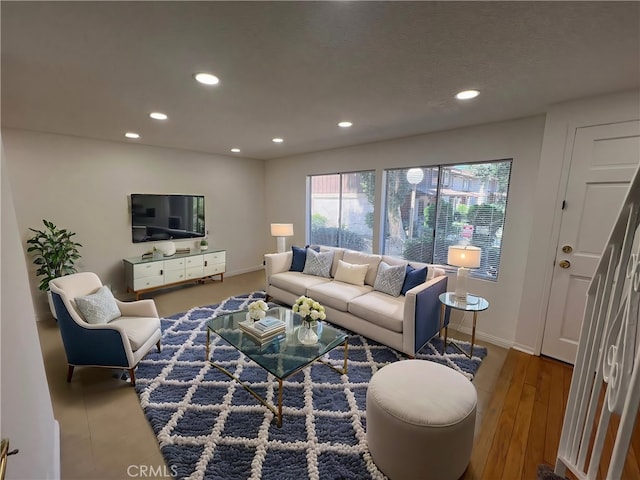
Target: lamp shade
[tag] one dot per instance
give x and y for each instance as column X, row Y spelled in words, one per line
column 282, row 229
column 464, row 256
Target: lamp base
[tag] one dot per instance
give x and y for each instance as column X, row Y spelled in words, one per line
column 461, row 284
column 282, row 244
column 461, row 294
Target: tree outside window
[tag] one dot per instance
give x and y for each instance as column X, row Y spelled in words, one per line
column 342, row 207
column 467, row 206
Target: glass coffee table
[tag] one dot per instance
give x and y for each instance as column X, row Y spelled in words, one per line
column 282, row 357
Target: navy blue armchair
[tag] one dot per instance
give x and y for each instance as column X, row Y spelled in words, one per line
column 121, row 343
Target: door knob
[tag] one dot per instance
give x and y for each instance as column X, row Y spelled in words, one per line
column 564, row 264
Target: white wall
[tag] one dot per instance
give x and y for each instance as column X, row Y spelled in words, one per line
column 517, row 139
column 25, row 404
column 561, row 123
column 84, row 185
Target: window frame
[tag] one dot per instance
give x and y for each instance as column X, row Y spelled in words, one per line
column 340, row 214
column 445, row 181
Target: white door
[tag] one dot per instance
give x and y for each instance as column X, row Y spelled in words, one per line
column 603, row 161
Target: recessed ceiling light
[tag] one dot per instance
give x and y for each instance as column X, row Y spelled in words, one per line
column 345, row 124
column 277, row 140
column 206, row 78
column 158, row 116
column 131, row 135
column 235, row 150
column 467, row 94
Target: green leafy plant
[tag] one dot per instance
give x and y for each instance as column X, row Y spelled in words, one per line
column 55, row 253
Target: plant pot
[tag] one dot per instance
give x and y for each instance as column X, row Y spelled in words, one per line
column 51, row 305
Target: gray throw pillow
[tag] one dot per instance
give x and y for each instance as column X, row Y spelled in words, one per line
column 98, row 308
column 389, row 279
column 318, row 264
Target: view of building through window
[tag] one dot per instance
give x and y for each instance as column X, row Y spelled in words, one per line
column 426, row 210
column 429, row 209
column 342, row 207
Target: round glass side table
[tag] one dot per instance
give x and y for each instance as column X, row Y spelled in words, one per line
column 473, row 304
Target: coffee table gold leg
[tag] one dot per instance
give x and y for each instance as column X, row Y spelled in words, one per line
column 207, row 349
column 279, row 403
column 346, row 355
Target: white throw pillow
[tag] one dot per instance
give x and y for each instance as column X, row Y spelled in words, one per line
column 390, row 279
column 351, row 273
column 318, row 264
column 98, row 308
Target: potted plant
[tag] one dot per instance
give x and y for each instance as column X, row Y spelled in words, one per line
column 204, row 244
column 55, row 254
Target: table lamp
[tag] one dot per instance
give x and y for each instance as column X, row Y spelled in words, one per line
column 281, row 231
column 464, row 257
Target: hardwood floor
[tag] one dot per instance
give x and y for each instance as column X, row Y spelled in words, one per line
column 522, row 424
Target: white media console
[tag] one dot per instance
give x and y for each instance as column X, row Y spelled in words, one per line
column 146, row 274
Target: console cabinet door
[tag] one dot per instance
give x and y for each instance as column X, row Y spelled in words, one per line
column 194, row 267
column 174, row 270
column 148, row 275
column 214, row 263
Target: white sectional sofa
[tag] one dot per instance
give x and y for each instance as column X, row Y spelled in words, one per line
column 404, row 322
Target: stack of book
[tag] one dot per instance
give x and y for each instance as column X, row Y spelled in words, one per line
column 264, row 330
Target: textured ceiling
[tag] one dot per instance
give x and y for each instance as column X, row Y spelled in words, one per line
column 294, row 69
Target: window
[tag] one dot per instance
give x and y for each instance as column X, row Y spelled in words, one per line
column 466, row 207
column 342, row 207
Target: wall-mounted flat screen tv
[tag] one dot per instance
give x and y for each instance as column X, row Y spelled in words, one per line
column 166, row 217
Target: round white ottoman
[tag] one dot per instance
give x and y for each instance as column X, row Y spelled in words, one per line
column 420, row 420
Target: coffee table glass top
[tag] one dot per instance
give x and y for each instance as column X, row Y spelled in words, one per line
column 284, row 355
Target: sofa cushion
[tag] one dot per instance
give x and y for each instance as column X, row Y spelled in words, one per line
column 380, row 309
column 413, row 278
column 390, row 279
column 351, row 256
column 99, row 307
column 137, row 329
column 300, row 257
column 318, row 264
column 351, row 273
column 295, row 282
column 336, row 294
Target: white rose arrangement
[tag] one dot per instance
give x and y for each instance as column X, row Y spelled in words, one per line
column 309, row 309
column 258, row 309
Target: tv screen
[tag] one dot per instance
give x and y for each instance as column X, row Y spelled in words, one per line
column 166, row 217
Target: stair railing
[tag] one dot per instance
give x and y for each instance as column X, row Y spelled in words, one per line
column 605, row 387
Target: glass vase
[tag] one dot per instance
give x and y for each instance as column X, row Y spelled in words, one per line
column 306, row 334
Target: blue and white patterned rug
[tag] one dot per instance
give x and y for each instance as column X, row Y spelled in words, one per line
column 209, row 427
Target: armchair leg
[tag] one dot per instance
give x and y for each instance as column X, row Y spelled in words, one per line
column 70, row 373
column 133, row 377
column 159, row 347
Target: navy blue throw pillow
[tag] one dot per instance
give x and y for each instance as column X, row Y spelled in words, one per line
column 300, row 257
column 413, row 278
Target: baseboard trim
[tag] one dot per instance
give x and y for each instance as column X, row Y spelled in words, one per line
column 56, row 450
column 500, row 342
column 244, row 270
column 523, row 348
